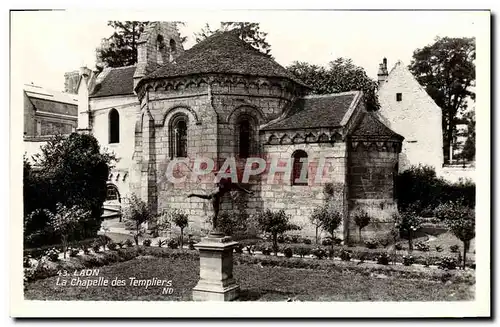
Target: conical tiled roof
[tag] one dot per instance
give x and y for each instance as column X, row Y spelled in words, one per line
column 222, row 53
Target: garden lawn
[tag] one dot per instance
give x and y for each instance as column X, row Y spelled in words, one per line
column 257, row 282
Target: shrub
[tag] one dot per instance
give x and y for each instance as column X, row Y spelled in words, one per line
column 361, row 219
column 288, row 252
column 112, row 246
column 160, row 242
column 275, row 223
column 327, row 242
column 398, row 246
column 96, row 247
column 461, row 221
column 454, row 248
column 345, row 255
column 421, row 246
column 331, row 253
column 266, row 251
column 319, row 253
column 447, row 263
column 408, row 260
column 408, row 223
column 52, row 254
column 173, row 244
column 371, row 244
column 180, row 220
column 128, row 243
column 302, row 251
column 191, row 244
column 330, row 218
column 383, row 259
column 73, row 172
column 280, row 239
column 120, row 244
column 439, row 248
column 139, row 212
column 307, row 241
column 238, row 248
column 295, row 238
column 73, row 252
column 146, row 242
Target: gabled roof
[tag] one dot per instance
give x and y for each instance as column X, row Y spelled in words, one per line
column 114, row 81
column 222, row 53
column 316, row 111
column 371, row 126
column 38, row 92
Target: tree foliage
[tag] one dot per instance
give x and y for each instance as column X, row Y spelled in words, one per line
column 180, row 220
column 361, row 219
column 461, row 221
column 248, row 32
column 71, row 171
column 330, row 219
column 138, row 212
column 341, row 75
column 469, row 150
column 408, row 222
column 447, row 71
column 275, row 223
column 122, row 49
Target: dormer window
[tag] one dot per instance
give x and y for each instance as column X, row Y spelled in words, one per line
column 399, row 97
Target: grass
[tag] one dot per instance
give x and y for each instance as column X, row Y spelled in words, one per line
column 257, row 282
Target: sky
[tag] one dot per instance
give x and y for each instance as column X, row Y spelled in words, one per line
column 45, row 45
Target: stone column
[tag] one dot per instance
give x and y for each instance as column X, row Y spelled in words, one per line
column 216, row 270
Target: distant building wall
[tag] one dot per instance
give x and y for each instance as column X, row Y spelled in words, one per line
column 408, row 110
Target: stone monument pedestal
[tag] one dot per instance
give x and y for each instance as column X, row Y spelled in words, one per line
column 216, row 269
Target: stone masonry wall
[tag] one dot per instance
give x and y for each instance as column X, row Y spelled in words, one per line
column 371, row 188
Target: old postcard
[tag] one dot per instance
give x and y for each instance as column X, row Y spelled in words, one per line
column 279, row 163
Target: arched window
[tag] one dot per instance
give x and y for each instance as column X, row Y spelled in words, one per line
column 244, row 137
column 159, row 42
column 300, row 167
column 112, row 193
column 178, row 136
column 173, row 46
column 114, row 126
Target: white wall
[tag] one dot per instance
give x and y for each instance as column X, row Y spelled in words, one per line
column 416, row 117
column 128, row 108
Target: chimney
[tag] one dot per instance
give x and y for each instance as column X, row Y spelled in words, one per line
column 71, row 81
column 382, row 72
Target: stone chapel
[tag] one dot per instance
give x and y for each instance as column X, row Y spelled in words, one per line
column 223, row 99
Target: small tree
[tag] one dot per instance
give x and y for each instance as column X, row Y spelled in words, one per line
column 275, row 223
column 137, row 211
column 409, row 222
column 361, row 219
column 315, row 220
column 330, row 219
column 180, row 220
column 65, row 221
column 461, row 221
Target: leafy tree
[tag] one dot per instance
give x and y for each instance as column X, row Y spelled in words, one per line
column 65, row 221
column 408, row 223
column 69, row 170
column 461, row 220
column 180, row 220
column 469, row 151
column 447, row 71
column 361, row 219
column 275, row 223
column 248, row 32
column 138, row 212
column 122, row 49
column 316, row 221
column 330, row 220
column 341, row 75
